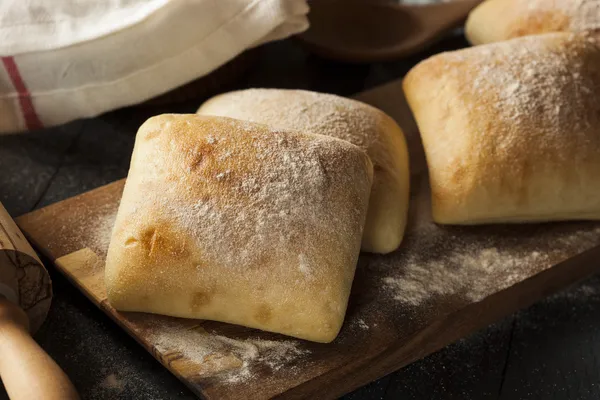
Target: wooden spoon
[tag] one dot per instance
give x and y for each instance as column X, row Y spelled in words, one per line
column 360, row 31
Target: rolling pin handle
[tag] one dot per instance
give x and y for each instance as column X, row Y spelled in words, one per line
column 25, row 369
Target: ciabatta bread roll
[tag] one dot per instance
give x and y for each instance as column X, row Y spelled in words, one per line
column 351, row 120
column 233, row 221
column 498, row 20
column 511, row 130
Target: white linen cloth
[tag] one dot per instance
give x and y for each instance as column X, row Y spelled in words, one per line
column 69, row 59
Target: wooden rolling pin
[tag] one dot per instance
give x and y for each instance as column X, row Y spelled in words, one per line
column 27, row 372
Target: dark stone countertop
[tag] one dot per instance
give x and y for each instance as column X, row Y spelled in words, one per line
column 548, row 351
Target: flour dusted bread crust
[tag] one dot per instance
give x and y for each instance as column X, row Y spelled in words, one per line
column 350, row 120
column 233, row 221
column 511, row 130
column 498, row 20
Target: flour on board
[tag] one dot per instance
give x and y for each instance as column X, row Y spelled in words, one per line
column 231, row 359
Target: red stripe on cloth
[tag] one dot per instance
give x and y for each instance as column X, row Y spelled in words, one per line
column 29, row 115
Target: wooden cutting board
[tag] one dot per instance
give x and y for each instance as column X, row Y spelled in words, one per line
column 442, row 284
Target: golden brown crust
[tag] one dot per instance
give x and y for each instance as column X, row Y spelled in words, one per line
column 511, row 130
column 236, row 222
column 498, row 20
column 351, row 120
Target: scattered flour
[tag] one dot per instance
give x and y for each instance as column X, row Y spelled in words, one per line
column 539, row 86
column 362, row 324
column 583, row 293
column 473, row 269
column 92, row 228
column 475, row 275
column 234, row 360
column 581, row 14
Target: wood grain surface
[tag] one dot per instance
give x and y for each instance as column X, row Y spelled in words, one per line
column 470, row 277
column 24, row 279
